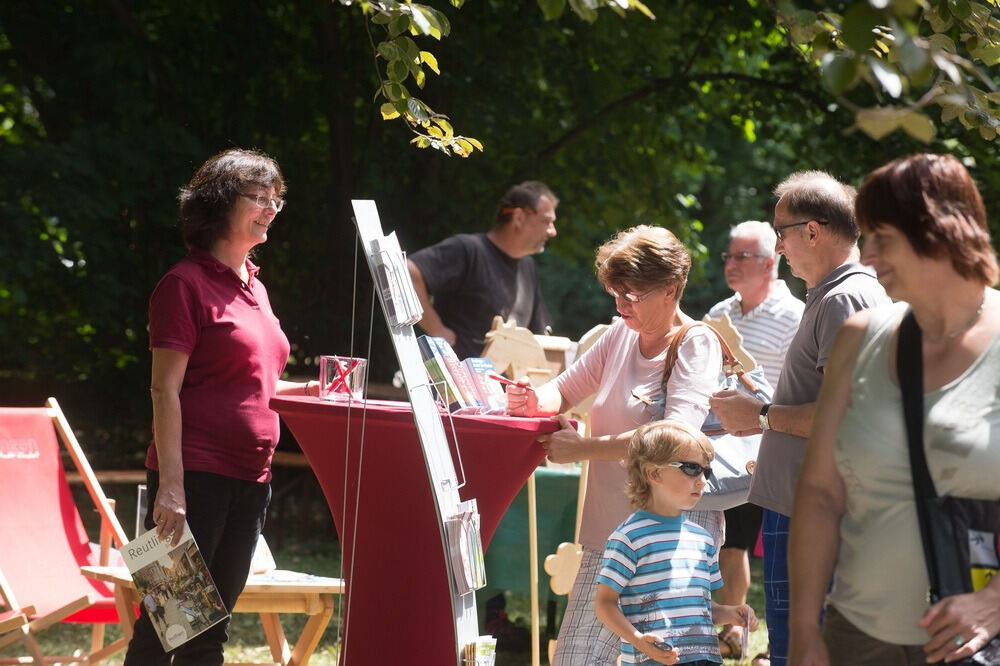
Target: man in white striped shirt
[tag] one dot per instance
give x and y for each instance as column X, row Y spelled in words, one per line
column 767, row 315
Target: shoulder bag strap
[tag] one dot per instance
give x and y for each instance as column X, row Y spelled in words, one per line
column 910, row 371
column 730, row 363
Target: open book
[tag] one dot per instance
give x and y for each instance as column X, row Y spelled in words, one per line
column 174, row 585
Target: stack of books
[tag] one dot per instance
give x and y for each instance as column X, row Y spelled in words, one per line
column 461, row 385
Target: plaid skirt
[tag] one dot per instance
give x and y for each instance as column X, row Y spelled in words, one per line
column 583, row 639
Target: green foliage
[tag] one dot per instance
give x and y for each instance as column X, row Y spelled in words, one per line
column 686, row 122
column 909, row 56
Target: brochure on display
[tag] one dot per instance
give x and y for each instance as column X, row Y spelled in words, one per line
column 402, row 307
column 465, row 547
column 174, row 586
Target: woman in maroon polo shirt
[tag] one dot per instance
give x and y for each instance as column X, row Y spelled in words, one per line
column 218, row 352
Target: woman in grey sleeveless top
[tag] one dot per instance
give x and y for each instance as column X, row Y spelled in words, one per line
column 855, row 518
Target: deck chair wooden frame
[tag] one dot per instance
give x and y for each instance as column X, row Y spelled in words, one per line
column 98, row 602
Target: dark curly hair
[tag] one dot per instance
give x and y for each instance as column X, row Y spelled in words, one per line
column 207, row 201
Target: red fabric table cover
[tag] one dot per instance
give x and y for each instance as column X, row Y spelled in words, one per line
column 397, row 598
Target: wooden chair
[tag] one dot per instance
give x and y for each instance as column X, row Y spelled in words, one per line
column 45, row 542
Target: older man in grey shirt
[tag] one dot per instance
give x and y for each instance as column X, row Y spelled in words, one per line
column 817, row 233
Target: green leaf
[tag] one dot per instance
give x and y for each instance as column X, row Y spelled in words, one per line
column 399, row 25
column 428, row 59
column 859, row 24
column 445, row 126
column 943, row 42
column 643, row 9
column 419, row 77
column 939, row 18
column 395, row 92
column 839, row 72
column 474, row 142
column 988, row 133
column 466, row 145
column 878, row 122
column 425, row 21
column 887, row 76
column 552, row 9
column 388, row 50
column 989, row 55
column 960, row 9
column 397, row 71
column 950, row 112
column 388, row 111
column 584, row 10
column 918, row 126
column 382, row 18
column 913, row 59
column 421, row 141
column 409, row 47
column 417, row 109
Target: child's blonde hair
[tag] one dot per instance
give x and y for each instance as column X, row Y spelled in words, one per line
column 658, row 444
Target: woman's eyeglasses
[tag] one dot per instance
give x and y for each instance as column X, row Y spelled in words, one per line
column 630, row 297
column 691, row 469
column 264, row 202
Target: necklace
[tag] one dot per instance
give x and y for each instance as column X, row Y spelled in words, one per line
column 965, row 327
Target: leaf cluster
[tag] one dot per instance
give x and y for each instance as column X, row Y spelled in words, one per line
column 907, row 55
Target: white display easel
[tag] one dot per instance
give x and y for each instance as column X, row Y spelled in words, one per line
column 388, row 264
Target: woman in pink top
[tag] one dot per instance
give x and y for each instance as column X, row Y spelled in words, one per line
column 218, row 352
column 645, row 270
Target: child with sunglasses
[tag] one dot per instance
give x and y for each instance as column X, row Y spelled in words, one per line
column 655, row 585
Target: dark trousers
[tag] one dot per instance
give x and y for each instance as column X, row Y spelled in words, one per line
column 226, row 516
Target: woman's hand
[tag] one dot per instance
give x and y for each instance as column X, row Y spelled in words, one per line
column 562, row 446
column 807, row 648
column 647, row 645
column 169, row 510
column 960, row 625
column 522, row 399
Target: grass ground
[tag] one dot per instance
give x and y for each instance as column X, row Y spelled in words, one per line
column 322, row 557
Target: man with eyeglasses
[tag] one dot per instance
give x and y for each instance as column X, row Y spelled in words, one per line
column 767, row 315
column 466, row 280
column 817, row 233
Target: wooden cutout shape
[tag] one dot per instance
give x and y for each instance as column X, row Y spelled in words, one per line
column 562, row 567
column 515, row 352
column 724, row 325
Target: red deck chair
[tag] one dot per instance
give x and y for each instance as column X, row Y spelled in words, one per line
column 43, row 543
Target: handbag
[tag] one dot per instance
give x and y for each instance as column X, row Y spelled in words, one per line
column 735, row 457
column 959, row 534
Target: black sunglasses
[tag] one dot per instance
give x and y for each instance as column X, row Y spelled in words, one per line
column 692, row 469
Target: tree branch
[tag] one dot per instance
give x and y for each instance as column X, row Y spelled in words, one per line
column 662, row 84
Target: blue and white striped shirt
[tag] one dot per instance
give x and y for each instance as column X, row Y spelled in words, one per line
column 664, row 569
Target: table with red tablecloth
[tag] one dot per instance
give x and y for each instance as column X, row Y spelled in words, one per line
column 371, row 467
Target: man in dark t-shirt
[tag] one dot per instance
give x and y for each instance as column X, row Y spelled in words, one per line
column 474, row 277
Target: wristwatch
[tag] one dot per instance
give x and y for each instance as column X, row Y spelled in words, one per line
column 762, row 420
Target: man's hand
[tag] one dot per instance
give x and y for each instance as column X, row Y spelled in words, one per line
column 737, row 411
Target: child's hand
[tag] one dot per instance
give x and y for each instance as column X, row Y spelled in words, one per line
column 648, row 645
column 741, row 616
column 747, row 618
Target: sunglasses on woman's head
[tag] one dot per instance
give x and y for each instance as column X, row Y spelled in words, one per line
column 691, row 469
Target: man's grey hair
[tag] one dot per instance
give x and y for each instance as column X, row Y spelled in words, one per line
column 763, row 233
column 816, row 195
